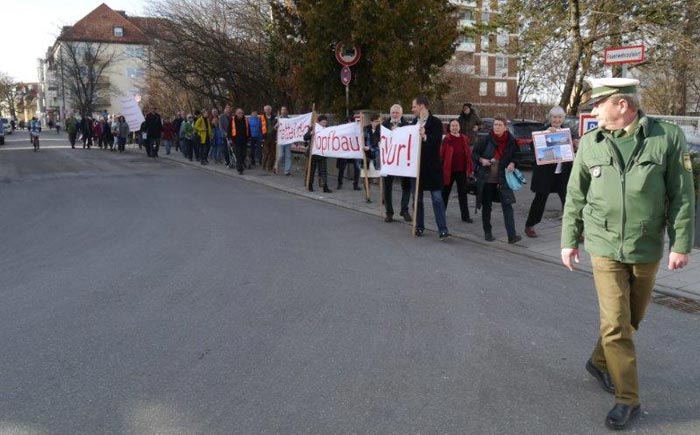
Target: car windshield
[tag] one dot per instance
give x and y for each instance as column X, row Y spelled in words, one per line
column 525, row 129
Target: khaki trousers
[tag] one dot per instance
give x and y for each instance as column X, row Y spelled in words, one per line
column 269, row 152
column 624, row 291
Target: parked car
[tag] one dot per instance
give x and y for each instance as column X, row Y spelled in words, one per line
column 522, row 130
column 5, row 128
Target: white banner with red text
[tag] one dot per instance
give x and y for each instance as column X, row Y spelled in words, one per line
column 291, row 130
column 340, row 141
column 399, row 151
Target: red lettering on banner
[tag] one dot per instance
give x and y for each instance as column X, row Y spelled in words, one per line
column 409, row 149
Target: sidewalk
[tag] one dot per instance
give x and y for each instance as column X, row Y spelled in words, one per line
column 685, row 283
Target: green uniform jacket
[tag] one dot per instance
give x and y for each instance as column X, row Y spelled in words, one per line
column 625, row 212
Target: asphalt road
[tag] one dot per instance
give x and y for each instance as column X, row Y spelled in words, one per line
column 144, row 297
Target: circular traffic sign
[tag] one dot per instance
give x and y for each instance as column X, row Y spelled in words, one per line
column 347, row 55
column 345, row 75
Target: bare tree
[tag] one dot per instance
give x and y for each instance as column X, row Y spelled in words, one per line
column 215, row 50
column 8, row 94
column 84, row 65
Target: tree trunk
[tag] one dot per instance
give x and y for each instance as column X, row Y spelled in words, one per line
column 575, row 57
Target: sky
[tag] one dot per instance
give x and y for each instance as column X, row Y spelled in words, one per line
column 29, row 27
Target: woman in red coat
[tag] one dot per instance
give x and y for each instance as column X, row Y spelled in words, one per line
column 456, row 157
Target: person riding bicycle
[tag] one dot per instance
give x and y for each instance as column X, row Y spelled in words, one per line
column 34, row 131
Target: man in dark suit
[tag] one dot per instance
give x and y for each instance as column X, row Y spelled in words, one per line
column 430, row 166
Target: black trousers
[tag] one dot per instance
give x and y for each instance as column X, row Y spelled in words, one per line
column 539, row 202
column 227, row 152
column 318, row 163
column 461, row 179
column 342, row 164
column 487, row 196
column 389, row 191
column 71, row 138
column 240, row 149
column 204, row 152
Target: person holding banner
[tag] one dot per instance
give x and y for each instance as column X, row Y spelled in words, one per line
column 316, row 160
column 285, row 151
column 430, row 175
column 341, row 164
column 395, row 121
column 456, row 156
column 373, row 135
column 547, row 179
column 496, row 154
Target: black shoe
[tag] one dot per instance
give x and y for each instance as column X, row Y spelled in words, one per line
column 406, row 215
column 489, row 237
column 602, row 377
column 340, row 186
column 621, row 416
column 515, row 239
column 356, row 188
column 468, row 220
column 419, row 232
column 389, row 217
column 327, row 190
column 444, row 235
column 311, row 188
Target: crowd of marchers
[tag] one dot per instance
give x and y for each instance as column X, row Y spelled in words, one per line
column 475, row 164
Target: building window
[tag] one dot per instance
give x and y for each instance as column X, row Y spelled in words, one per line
column 485, row 16
column 502, row 39
column 484, row 42
column 118, row 31
column 502, row 66
column 134, row 51
column 483, row 65
column 468, row 15
column 501, row 89
column 483, row 89
column 135, row 73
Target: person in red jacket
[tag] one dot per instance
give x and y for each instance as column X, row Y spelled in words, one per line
column 168, row 135
column 456, row 157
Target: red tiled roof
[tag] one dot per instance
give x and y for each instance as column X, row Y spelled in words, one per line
column 98, row 26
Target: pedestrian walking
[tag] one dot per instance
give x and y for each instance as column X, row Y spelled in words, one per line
column 168, row 135
column 318, row 163
column 154, row 131
column 469, row 122
column 631, row 181
column 72, row 129
column 269, row 148
column 240, row 133
column 123, row 134
column 456, row 156
column 430, row 166
column 256, row 138
column 284, row 152
column 547, row 179
column 202, row 128
column 493, row 156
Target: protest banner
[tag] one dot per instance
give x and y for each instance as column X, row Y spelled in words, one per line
column 340, row 141
column 131, row 113
column 400, row 151
column 553, row 146
column 309, row 157
column 291, row 130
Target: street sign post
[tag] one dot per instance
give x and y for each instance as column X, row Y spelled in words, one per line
column 345, row 77
column 624, row 55
column 347, row 56
column 586, row 122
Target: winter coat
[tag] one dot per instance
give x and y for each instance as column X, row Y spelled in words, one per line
column 486, row 148
column 626, row 210
column 447, row 149
column 430, row 164
column 154, row 126
column 467, row 124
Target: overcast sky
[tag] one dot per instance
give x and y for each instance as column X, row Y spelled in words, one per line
column 29, row 27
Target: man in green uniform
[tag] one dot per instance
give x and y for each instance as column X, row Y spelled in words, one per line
column 631, row 180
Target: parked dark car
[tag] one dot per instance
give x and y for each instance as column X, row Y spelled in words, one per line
column 522, row 130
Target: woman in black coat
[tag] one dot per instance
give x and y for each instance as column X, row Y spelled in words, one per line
column 494, row 155
column 547, row 179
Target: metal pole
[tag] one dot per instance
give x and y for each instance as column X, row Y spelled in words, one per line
column 624, row 70
column 347, row 100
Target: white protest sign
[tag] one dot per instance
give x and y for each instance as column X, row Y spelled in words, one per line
column 341, row 141
column 291, row 130
column 399, row 151
column 131, row 113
